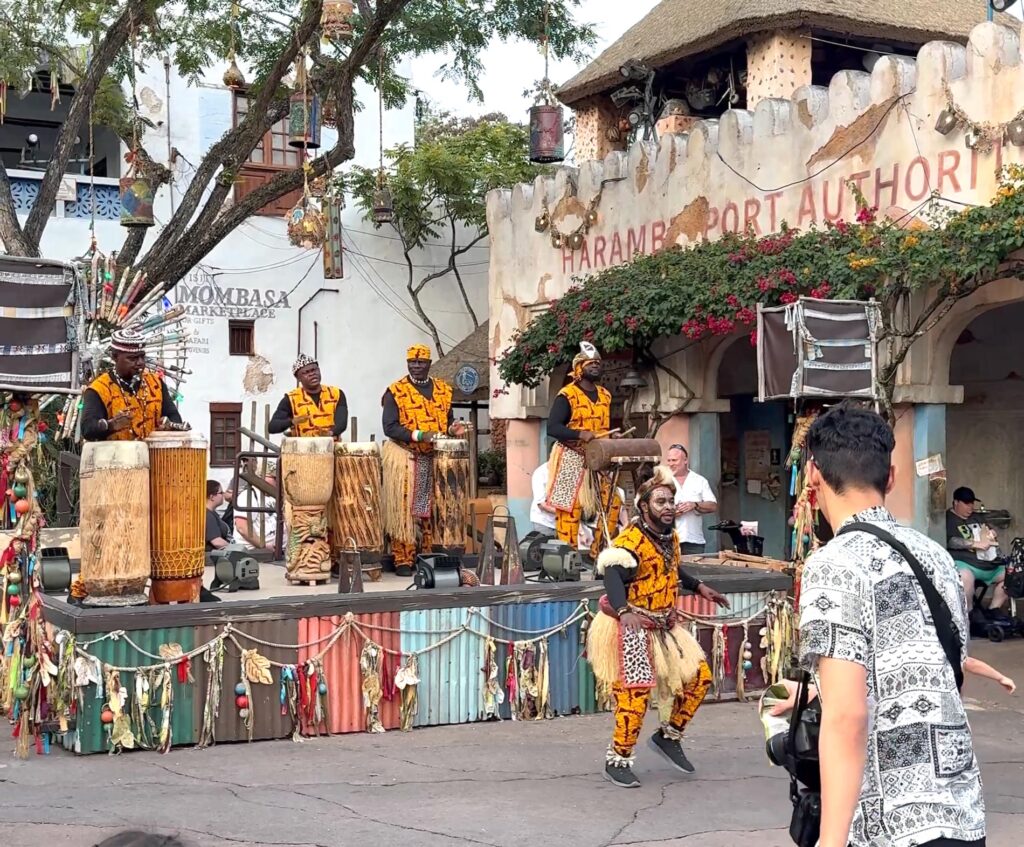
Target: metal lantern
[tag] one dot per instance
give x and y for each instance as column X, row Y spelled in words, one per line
column 546, row 140
column 383, row 205
column 136, row 201
column 336, row 19
column 304, row 122
column 306, row 226
column 233, row 77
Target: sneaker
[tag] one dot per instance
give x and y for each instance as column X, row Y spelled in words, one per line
column 621, row 775
column 673, row 751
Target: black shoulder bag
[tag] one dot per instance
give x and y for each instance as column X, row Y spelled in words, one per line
column 801, row 746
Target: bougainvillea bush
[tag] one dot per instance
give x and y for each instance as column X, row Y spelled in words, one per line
column 713, row 288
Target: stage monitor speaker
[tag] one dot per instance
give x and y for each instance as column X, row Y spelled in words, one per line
column 560, row 563
column 55, row 570
column 531, row 550
column 237, row 571
column 437, row 571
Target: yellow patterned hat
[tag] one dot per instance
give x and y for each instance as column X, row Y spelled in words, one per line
column 418, row 353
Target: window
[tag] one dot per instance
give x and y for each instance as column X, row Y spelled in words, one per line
column 241, row 338
column 225, row 439
column 271, row 156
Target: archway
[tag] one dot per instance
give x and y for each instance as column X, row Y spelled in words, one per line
column 754, row 442
column 985, row 434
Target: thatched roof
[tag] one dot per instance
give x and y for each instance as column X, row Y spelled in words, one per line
column 472, row 350
column 675, row 29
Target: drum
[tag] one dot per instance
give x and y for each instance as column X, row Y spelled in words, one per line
column 625, row 453
column 355, row 514
column 177, row 485
column 451, row 491
column 307, row 470
column 114, row 525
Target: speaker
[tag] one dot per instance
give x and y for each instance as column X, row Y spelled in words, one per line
column 54, row 570
column 437, row 571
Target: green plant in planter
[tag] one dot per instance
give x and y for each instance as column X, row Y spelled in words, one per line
column 491, row 466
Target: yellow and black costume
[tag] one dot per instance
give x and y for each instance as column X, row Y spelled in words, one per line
column 309, row 414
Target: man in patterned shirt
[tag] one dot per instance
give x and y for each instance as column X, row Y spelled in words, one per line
column 897, row 759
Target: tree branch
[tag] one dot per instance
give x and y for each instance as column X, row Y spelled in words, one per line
column 414, row 295
column 106, row 52
column 453, row 264
column 11, row 233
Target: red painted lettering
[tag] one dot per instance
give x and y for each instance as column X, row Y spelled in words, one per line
column 657, row 235
column 635, row 244
column 568, row 260
column 751, row 210
column 836, row 213
column 734, row 224
column 921, row 164
column 881, row 184
column 770, row 199
column 599, row 244
column 585, row 254
column 712, row 222
column 808, row 213
column 616, row 254
column 949, row 171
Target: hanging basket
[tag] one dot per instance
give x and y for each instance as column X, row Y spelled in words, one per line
column 547, row 143
column 306, row 226
column 304, row 122
column 336, row 20
column 383, row 206
column 136, row 201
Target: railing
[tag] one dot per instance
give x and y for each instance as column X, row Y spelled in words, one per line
column 25, row 190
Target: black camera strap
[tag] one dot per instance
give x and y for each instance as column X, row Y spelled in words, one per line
column 949, row 635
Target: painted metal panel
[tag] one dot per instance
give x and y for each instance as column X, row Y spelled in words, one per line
column 268, row 721
column 451, row 676
column 92, row 734
column 341, row 666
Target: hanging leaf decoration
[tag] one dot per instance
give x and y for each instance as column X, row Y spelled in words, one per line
column 257, row 667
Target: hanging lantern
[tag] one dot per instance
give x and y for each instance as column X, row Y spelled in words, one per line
column 136, row 201
column 336, row 20
column 233, row 77
column 304, row 122
column 334, row 265
column 329, row 111
column 383, row 205
column 546, row 140
column 306, row 227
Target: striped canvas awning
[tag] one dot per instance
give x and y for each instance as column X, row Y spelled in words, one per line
column 38, row 325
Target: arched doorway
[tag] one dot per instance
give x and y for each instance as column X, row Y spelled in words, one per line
column 754, row 443
column 985, row 434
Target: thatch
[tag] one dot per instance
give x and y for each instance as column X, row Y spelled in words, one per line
column 676, row 29
column 473, row 351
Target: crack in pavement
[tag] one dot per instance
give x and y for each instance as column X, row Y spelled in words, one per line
column 746, row 831
column 636, row 815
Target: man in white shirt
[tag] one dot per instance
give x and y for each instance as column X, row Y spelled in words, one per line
column 542, row 516
column 694, row 499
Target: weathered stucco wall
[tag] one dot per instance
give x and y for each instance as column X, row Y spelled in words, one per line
column 788, row 160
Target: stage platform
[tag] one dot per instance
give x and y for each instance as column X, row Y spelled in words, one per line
column 532, row 633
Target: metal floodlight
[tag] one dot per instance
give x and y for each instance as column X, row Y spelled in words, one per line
column 633, row 69
column 626, row 94
column 1015, row 132
column 946, row 122
column 1001, row 5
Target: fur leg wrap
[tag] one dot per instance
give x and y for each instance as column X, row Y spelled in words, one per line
column 616, row 761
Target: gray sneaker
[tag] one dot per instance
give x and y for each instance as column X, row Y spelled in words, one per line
column 621, row 775
column 671, row 750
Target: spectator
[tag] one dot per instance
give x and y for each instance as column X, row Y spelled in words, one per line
column 218, row 529
column 694, row 499
column 542, row 516
column 973, row 546
column 249, row 529
column 895, row 749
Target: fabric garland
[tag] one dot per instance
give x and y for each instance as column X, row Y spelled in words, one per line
column 407, row 681
column 369, row 665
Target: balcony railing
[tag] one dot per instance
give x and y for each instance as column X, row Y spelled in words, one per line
column 103, row 193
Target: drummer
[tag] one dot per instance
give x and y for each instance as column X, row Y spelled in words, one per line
column 129, row 402
column 312, row 409
column 581, row 412
column 417, row 409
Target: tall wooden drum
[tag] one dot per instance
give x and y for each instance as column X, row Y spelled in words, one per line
column 451, row 491
column 114, row 525
column 355, row 514
column 177, row 484
column 307, row 470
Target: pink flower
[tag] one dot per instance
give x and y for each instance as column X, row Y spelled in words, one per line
column 787, row 276
column 746, row 315
column 789, row 297
column 692, row 329
column 632, row 324
column 753, row 338
column 822, row 291
column 720, row 326
column 588, row 335
column 866, row 215
column 553, row 348
column 609, row 318
column 733, row 301
column 584, row 305
column 764, row 285
column 842, row 226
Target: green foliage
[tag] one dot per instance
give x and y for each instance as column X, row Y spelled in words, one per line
column 491, row 463
column 445, row 177
column 714, row 287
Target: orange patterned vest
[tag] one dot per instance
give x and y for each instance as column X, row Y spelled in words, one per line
column 587, row 415
column 317, row 419
column 144, row 405
column 418, row 412
column 654, row 587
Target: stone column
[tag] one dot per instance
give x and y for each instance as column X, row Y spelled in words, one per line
column 705, row 450
column 930, row 495
column 778, row 63
column 597, row 123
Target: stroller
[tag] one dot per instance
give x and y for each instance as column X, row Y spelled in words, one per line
column 994, row 624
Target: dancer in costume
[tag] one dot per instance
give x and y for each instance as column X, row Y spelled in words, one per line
column 580, row 413
column 638, row 643
column 312, row 409
column 129, row 402
column 416, row 410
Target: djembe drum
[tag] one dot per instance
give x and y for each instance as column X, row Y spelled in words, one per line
column 114, row 525
column 451, row 491
column 177, row 485
column 307, row 477
column 355, row 514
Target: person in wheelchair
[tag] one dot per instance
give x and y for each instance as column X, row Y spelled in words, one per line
column 975, row 550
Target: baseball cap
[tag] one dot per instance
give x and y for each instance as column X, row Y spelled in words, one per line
column 964, row 495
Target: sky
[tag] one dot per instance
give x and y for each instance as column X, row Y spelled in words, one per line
column 513, row 67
